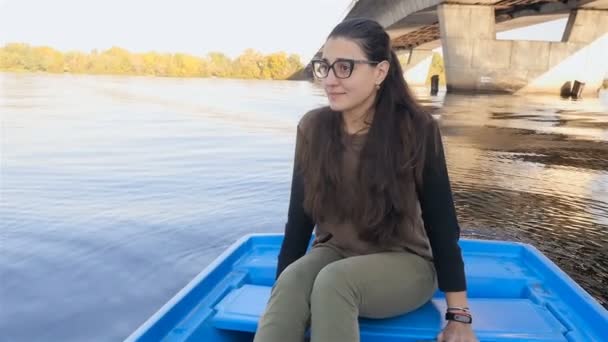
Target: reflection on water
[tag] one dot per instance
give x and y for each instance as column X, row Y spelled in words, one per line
column 116, row 191
column 535, row 170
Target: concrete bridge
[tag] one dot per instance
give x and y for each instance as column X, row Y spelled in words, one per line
column 475, row 60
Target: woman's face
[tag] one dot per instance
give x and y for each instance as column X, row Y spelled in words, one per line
column 349, row 92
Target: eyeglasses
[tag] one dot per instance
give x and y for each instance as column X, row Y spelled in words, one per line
column 342, row 67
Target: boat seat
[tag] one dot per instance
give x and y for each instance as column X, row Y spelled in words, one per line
column 495, row 319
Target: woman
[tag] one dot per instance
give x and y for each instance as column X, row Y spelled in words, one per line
column 370, row 173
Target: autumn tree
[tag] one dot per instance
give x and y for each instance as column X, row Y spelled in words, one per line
column 251, row 64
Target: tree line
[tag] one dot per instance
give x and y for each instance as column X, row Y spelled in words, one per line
column 251, row 64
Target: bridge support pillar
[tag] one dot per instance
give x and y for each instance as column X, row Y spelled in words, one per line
column 415, row 64
column 476, row 61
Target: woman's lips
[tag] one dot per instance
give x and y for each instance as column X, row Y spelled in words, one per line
column 333, row 96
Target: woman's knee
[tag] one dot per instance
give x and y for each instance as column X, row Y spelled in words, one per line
column 333, row 282
column 295, row 276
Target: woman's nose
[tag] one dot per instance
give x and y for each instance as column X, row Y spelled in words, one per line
column 331, row 78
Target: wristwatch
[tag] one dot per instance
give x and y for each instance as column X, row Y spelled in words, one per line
column 458, row 317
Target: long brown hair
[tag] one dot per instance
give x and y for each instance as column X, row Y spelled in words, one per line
column 391, row 160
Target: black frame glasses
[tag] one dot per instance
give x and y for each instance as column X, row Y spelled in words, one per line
column 342, row 74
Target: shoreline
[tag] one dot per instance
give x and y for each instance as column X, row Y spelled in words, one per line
column 595, row 94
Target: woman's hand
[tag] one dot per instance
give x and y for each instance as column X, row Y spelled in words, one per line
column 457, row 332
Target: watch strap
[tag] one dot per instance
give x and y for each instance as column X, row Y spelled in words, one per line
column 459, row 317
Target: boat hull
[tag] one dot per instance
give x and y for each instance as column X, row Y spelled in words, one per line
column 515, row 292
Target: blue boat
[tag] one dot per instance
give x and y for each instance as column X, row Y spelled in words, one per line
column 515, row 292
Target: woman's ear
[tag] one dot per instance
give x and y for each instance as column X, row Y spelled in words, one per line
column 382, row 71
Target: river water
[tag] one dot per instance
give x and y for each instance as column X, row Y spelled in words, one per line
column 117, row 191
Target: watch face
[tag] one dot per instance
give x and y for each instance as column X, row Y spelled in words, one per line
column 458, row 317
column 462, row 318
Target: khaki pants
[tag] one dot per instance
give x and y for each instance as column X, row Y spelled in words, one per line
column 328, row 291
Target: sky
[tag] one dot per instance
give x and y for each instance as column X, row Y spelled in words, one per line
column 548, row 31
column 189, row 26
